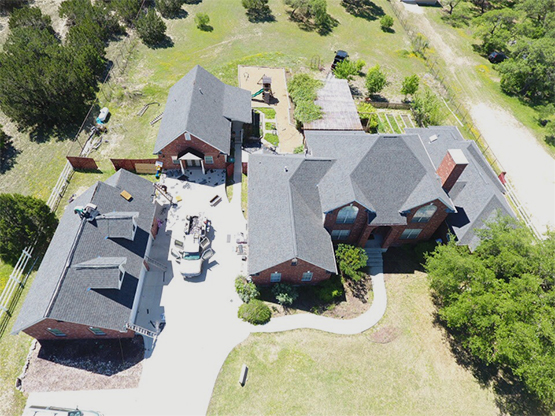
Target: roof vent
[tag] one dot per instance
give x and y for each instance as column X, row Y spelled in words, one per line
column 433, row 138
column 285, row 169
column 126, row 195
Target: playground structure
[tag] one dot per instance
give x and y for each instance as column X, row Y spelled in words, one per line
column 266, row 89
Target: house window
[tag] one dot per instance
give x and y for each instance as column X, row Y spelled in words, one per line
column 294, row 262
column 175, row 160
column 424, row 214
column 56, row 332
column 187, row 136
column 340, row 234
column 96, row 331
column 209, row 160
column 275, row 277
column 410, row 234
column 347, row 215
column 307, row 277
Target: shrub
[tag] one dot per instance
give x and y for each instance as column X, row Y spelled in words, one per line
column 246, row 290
column 302, row 88
column 375, row 80
column 255, row 312
column 285, row 294
column 298, row 150
column 410, row 85
column 151, row 28
column 386, row 22
column 330, row 289
column 427, row 109
column 350, row 260
column 347, row 69
column 203, row 21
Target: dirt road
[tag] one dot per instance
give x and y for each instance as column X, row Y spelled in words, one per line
column 530, row 169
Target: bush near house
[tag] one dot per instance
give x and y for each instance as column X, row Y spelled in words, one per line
column 246, row 290
column 255, row 312
column 285, row 293
column 347, row 69
column 350, row 260
column 330, row 290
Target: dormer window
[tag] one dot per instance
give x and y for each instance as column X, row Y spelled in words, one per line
column 347, row 215
column 424, row 214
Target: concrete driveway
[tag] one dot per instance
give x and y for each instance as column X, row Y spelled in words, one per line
column 201, row 320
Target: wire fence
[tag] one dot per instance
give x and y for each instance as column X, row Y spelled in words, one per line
column 18, row 278
column 459, row 112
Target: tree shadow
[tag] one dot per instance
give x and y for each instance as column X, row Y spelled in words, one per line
column 8, row 154
column 511, row 395
column 309, row 25
column 181, row 14
column 100, row 356
column 165, row 43
column 365, row 9
column 192, row 1
column 262, row 15
column 388, row 30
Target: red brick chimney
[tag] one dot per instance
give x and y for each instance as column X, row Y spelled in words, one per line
column 451, row 168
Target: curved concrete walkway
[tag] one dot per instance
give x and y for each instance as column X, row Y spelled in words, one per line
column 336, row 326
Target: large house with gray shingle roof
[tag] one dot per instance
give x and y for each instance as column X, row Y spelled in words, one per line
column 365, row 190
column 201, row 117
column 90, row 280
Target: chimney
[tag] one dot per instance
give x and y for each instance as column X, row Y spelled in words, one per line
column 451, row 167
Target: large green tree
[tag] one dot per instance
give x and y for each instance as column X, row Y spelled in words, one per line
column 351, row 260
column 499, row 301
column 23, row 220
column 45, row 83
column 151, row 28
column 375, row 80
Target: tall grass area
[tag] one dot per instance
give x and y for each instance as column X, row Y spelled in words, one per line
column 403, row 366
column 5, row 271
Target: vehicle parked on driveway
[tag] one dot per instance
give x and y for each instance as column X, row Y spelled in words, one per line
column 340, row 56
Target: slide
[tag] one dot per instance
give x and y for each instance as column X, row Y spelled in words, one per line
column 258, row 92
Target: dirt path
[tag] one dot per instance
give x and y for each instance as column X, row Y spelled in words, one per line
column 530, row 169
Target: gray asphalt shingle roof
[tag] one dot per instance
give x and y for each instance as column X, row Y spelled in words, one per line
column 478, row 194
column 204, row 106
column 386, row 174
column 66, row 287
column 285, row 216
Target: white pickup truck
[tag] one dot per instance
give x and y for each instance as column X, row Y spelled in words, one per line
column 195, row 246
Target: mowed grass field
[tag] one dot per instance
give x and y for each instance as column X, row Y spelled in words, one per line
column 402, row 366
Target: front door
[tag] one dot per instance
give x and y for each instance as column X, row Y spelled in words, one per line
column 193, row 163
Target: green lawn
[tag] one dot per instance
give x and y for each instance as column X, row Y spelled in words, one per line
column 5, row 271
column 310, row 372
column 270, row 113
column 272, row 138
column 13, row 352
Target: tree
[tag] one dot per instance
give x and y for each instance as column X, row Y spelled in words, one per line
column 30, row 17
column 427, row 109
column 386, row 22
column 496, row 28
column 347, row 69
column 127, row 10
column 499, row 301
column 350, row 260
column 45, row 83
column 151, row 28
column 307, row 10
column 420, row 44
column 169, row 8
column 450, row 4
column 23, row 220
column 410, row 85
column 375, row 80
column 258, row 10
column 202, row 21
column 9, row 5
column 84, row 13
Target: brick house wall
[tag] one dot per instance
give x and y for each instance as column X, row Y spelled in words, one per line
column 180, row 144
column 73, row 331
column 292, row 274
column 360, row 230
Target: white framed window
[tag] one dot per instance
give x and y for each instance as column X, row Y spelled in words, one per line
column 424, row 214
column 340, row 234
column 307, row 277
column 187, row 136
column 275, row 277
column 96, row 331
column 56, row 332
column 410, row 234
column 347, row 215
column 293, row 262
column 209, row 160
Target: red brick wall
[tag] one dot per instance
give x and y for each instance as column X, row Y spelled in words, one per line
column 72, row 331
column 180, row 144
column 360, row 230
column 449, row 171
column 292, row 274
column 129, row 164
